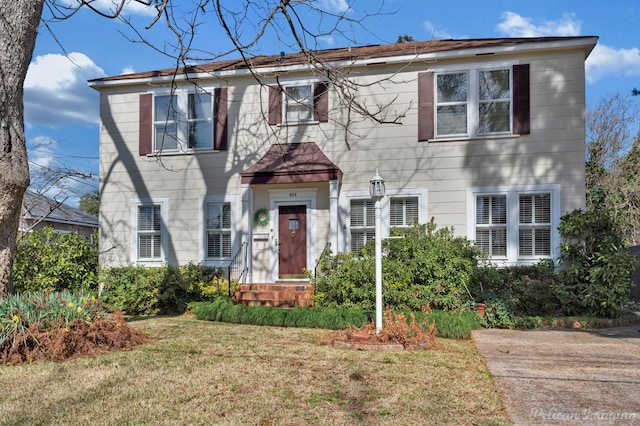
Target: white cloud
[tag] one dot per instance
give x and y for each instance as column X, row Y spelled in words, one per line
column 335, row 6
column 41, row 152
column 56, row 90
column 603, row 61
column 131, row 7
column 435, row 32
column 128, row 70
column 514, row 25
column 607, row 61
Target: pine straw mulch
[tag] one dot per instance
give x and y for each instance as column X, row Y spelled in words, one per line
column 397, row 330
column 77, row 339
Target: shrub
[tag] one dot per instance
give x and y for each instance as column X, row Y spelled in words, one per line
column 223, row 310
column 519, row 290
column 423, row 268
column 455, row 325
column 55, row 261
column 597, row 273
column 159, row 290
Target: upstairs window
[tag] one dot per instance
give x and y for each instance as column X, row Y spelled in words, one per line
column 183, row 121
column 452, row 103
column 475, row 102
column 494, row 101
column 299, row 103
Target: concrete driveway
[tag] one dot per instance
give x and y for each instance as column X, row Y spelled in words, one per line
column 566, row 377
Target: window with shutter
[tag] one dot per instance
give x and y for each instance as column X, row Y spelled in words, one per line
column 473, row 102
column 183, row 121
column 299, row 103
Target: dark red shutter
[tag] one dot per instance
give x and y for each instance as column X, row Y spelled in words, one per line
column 425, row 106
column 275, row 105
column 521, row 103
column 220, row 119
column 145, row 130
column 321, row 102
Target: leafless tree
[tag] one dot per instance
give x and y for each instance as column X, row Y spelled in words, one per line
column 613, row 153
column 300, row 25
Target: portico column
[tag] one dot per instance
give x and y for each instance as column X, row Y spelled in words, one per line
column 334, row 189
column 247, row 201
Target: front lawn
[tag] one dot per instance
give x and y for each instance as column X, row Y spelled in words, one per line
column 197, row 372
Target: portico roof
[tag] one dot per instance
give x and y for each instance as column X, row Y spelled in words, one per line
column 292, row 163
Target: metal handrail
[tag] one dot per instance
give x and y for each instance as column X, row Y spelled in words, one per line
column 315, row 268
column 239, row 267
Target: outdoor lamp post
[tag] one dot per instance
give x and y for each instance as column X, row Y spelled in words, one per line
column 376, row 190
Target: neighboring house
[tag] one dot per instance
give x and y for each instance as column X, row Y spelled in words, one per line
column 39, row 212
column 491, row 141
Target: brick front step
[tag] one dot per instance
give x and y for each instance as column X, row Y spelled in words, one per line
column 285, row 295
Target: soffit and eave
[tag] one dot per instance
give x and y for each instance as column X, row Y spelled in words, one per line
column 402, row 53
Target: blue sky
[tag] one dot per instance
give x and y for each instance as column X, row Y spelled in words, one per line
column 62, row 112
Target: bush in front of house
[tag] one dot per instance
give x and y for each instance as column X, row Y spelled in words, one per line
column 455, row 325
column 596, row 275
column 421, row 267
column 516, row 291
column 160, row 290
column 222, row 309
column 55, row 261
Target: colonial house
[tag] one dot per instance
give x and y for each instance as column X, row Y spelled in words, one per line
column 267, row 162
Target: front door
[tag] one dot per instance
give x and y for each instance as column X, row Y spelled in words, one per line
column 292, row 241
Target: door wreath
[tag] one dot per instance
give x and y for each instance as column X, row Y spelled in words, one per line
column 261, row 216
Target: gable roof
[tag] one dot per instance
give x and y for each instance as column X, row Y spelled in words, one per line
column 292, row 163
column 37, row 206
column 410, row 50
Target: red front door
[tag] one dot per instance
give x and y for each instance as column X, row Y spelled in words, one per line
column 292, row 241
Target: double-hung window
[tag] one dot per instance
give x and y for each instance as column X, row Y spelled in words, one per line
column 452, row 103
column 494, row 101
column 362, row 222
column 149, row 229
column 515, row 224
column 183, row 121
column 480, row 100
column 535, row 225
column 491, row 224
column 298, row 103
column 218, row 230
column 473, row 103
column 403, row 211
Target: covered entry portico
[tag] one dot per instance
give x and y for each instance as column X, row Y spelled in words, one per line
column 298, row 186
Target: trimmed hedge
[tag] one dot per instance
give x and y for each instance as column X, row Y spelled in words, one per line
column 455, row 325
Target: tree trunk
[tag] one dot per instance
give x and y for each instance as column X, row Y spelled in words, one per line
column 19, row 22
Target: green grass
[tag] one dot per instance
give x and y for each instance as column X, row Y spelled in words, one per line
column 203, row 372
